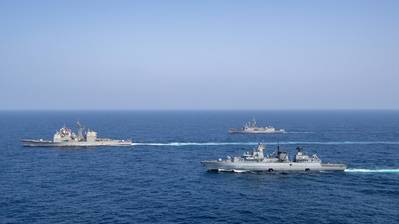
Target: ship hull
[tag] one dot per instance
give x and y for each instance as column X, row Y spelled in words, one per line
column 214, row 165
column 42, row 143
column 255, row 132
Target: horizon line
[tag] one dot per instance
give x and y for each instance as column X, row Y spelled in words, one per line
column 193, row 110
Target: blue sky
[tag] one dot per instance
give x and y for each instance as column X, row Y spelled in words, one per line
column 199, row 55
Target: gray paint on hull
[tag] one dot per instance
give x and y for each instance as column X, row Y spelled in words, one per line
column 263, row 166
column 35, row 143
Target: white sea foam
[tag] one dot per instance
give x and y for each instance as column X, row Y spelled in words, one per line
column 195, row 143
column 240, row 171
column 268, row 143
column 234, row 171
column 372, row 170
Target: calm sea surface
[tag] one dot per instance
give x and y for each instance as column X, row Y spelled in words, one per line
column 161, row 180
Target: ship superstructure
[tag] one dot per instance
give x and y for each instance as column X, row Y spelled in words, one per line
column 252, row 128
column 84, row 137
column 279, row 160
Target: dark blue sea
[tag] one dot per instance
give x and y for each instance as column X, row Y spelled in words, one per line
column 160, row 178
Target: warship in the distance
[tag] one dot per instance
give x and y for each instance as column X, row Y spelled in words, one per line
column 84, row 138
column 277, row 161
column 251, row 128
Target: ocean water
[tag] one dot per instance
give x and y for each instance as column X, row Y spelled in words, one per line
column 159, row 179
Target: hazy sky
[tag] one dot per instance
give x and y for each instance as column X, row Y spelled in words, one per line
column 199, row 54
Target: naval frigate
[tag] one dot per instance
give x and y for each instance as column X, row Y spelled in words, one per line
column 277, row 161
column 252, row 128
column 84, row 138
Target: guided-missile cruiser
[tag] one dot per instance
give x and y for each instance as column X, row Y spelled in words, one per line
column 251, row 128
column 84, row 138
column 277, row 161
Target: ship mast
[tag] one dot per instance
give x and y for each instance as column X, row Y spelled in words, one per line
column 80, row 130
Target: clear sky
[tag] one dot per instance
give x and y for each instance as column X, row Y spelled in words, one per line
column 199, row 54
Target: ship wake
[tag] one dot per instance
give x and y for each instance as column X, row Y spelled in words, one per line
column 372, row 170
column 300, row 132
column 177, row 144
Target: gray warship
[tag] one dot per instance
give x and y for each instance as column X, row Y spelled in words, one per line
column 84, row 138
column 277, row 161
column 251, row 128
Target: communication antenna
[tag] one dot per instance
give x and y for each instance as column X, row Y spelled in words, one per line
column 278, row 145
